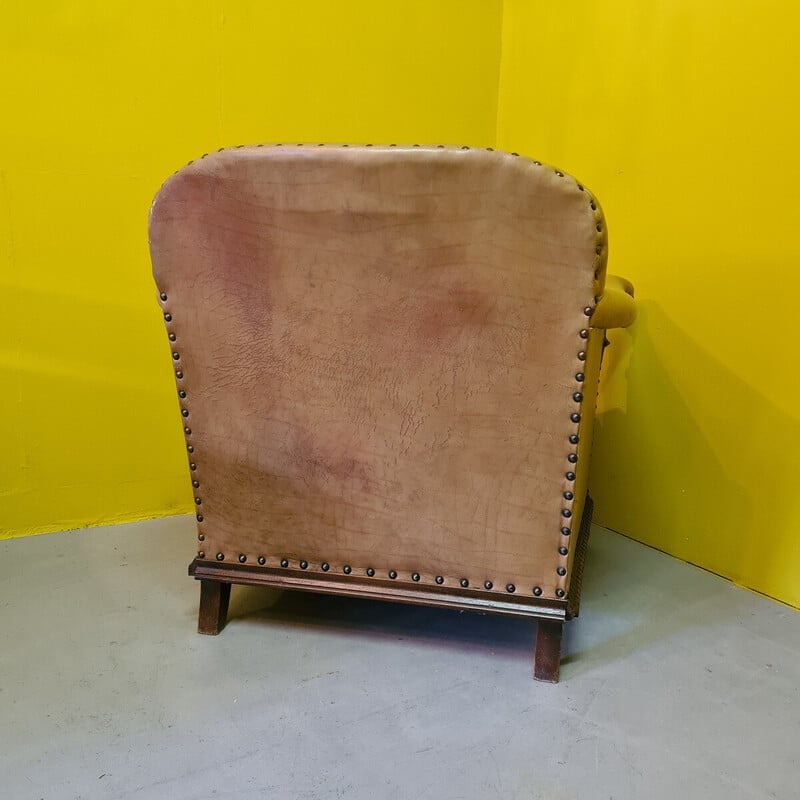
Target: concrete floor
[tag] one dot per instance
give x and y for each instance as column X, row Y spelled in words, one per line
column 676, row 684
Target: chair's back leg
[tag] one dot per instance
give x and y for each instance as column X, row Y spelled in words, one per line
column 214, row 597
column 547, row 656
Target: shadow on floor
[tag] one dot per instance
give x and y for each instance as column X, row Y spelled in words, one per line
column 616, row 613
column 468, row 631
column 633, row 598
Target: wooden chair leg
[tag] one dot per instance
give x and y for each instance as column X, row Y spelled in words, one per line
column 547, row 656
column 214, row 597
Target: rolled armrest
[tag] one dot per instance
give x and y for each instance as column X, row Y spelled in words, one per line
column 616, row 308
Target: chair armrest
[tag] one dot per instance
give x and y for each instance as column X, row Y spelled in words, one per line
column 616, row 308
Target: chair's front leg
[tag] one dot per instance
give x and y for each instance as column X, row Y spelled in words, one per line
column 547, row 656
column 214, row 597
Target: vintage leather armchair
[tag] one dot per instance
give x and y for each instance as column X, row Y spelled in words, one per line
column 387, row 359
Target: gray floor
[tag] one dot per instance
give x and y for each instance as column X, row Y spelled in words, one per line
column 675, row 685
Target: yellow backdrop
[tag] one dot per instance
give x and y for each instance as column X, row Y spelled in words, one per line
column 679, row 115
column 101, row 101
column 682, row 116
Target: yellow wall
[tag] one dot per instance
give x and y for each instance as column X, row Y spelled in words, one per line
column 100, row 102
column 682, row 116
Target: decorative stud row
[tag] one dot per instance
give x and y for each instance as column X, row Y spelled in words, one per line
column 578, row 396
column 370, row 572
column 182, row 396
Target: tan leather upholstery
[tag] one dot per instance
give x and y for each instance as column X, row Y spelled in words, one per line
column 377, row 351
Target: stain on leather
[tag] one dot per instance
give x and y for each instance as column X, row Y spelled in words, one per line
column 378, row 353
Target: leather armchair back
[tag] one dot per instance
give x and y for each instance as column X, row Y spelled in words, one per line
column 384, row 360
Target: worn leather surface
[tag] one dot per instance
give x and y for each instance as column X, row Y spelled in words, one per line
column 378, row 348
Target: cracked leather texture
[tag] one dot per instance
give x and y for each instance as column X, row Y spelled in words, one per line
column 378, row 349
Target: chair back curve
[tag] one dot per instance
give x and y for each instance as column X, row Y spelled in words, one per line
column 381, row 359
